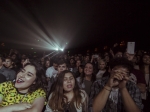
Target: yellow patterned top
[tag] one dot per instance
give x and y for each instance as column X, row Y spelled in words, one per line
column 10, row 95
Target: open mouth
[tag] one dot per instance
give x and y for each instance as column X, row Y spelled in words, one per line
column 69, row 86
column 19, row 81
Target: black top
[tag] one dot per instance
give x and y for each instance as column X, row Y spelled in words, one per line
column 69, row 108
column 2, row 78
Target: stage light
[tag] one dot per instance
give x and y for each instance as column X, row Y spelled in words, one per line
column 56, row 49
column 61, row 49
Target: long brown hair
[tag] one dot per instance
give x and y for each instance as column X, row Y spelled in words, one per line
column 40, row 81
column 57, row 99
column 141, row 65
column 93, row 78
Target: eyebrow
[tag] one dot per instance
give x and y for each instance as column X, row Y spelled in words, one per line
column 28, row 72
column 31, row 73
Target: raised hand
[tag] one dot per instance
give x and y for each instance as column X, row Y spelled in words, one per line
column 118, row 79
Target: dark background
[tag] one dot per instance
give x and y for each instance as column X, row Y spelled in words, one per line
column 75, row 25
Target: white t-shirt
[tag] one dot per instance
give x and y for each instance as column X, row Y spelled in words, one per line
column 113, row 97
column 51, row 72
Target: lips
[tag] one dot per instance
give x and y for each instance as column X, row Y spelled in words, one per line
column 69, row 86
column 88, row 72
column 19, row 81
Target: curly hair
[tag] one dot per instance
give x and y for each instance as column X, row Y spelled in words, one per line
column 40, row 81
column 121, row 61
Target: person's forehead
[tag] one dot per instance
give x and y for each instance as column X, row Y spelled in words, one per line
column 88, row 65
column 68, row 75
column 64, row 64
column 30, row 68
column 8, row 59
column 78, row 61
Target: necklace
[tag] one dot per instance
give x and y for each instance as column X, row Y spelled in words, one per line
column 24, row 96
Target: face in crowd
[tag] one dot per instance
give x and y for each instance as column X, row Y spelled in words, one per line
column 62, row 67
column 68, row 82
column 102, row 64
column 47, row 63
column 13, row 56
column 88, row 69
column 78, row 63
column 25, row 78
column 119, row 54
column 55, row 65
column 8, row 63
column 87, row 58
column 146, row 59
column 80, row 69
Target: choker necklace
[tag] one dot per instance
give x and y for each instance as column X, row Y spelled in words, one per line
column 23, row 97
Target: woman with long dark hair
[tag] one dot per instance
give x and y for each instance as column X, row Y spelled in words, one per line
column 85, row 81
column 27, row 93
column 67, row 97
column 145, row 68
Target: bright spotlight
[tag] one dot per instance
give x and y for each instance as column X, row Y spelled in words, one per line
column 61, row 49
column 56, row 49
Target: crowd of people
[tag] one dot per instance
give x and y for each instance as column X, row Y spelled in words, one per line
column 113, row 81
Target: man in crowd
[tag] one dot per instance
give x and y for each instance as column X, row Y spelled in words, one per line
column 8, row 73
column 62, row 65
column 52, row 71
column 86, row 59
column 9, row 64
column 116, row 93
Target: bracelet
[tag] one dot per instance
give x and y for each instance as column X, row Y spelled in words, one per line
column 107, row 89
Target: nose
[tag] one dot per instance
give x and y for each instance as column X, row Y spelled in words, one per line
column 68, row 80
column 22, row 74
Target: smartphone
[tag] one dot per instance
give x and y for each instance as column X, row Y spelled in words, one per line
column 130, row 47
